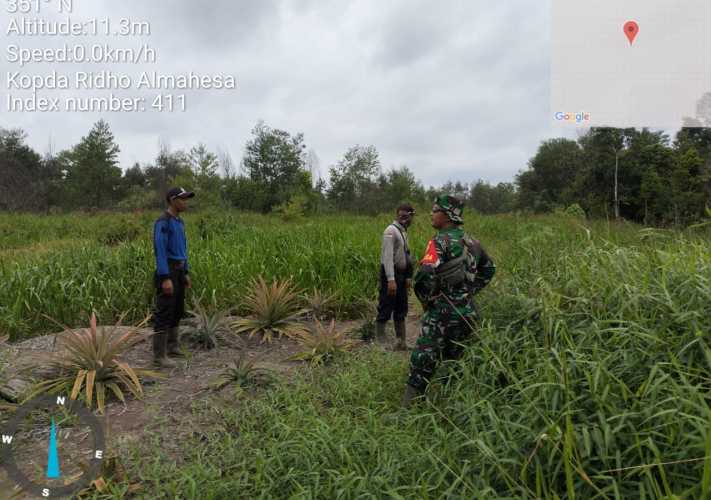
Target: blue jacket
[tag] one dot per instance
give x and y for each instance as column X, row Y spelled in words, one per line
column 169, row 243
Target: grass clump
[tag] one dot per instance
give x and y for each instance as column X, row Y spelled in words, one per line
column 274, row 311
column 4, row 405
column 90, row 364
column 210, row 326
column 322, row 344
column 320, row 304
column 244, row 373
column 121, row 231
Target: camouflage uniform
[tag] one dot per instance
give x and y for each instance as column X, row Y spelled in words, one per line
column 449, row 306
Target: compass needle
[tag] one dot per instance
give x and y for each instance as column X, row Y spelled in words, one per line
column 69, row 423
column 53, row 455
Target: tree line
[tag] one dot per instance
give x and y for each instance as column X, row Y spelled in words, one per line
column 637, row 174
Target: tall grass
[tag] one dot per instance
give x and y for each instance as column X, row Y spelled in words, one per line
column 65, row 274
column 57, row 265
column 588, row 378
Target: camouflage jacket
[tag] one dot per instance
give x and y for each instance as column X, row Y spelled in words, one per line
column 436, row 293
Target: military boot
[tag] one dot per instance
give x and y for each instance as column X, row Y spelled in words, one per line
column 380, row 335
column 400, row 334
column 160, row 351
column 174, row 343
column 411, row 396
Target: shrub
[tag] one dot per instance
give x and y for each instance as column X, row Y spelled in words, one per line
column 244, row 373
column 91, row 363
column 209, row 326
column 274, row 310
column 368, row 312
column 4, row 405
column 120, row 231
column 319, row 304
column 322, row 344
column 140, row 199
column 294, row 210
column 575, row 210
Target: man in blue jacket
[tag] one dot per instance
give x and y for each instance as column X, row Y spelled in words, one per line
column 171, row 277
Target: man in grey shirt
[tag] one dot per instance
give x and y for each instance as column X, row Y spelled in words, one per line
column 395, row 277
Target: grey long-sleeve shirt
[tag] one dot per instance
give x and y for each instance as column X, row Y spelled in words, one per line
column 393, row 252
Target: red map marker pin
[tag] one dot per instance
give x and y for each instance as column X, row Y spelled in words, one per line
column 631, row 30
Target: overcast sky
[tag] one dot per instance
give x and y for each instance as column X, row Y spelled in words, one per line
column 452, row 89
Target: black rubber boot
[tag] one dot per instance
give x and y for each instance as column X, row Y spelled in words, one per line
column 400, row 334
column 411, row 396
column 380, row 335
column 160, row 351
column 174, row 343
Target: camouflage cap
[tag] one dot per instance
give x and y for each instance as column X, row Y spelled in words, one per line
column 451, row 205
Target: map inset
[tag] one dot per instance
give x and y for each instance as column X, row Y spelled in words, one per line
column 635, row 63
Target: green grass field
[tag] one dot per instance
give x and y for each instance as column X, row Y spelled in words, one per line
column 589, row 377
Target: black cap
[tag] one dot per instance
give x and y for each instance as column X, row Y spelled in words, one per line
column 178, row 192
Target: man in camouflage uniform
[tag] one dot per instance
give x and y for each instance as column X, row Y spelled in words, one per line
column 455, row 267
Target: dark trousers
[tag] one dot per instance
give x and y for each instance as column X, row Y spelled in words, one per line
column 442, row 339
column 169, row 308
column 395, row 307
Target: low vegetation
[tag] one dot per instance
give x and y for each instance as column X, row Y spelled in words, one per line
column 319, row 304
column 273, row 311
column 322, row 344
column 244, row 373
column 4, row 405
column 90, row 363
column 587, row 377
column 210, row 326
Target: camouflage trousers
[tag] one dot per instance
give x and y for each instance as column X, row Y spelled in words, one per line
column 440, row 340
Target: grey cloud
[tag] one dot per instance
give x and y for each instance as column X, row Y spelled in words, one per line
column 209, row 26
column 452, row 89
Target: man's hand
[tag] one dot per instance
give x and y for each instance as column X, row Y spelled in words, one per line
column 188, row 282
column 408, row 284
column 392, row 288
column 167, row 287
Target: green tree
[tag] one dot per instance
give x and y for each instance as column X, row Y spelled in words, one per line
column 551, row 172
column 696, row 132
column 686, row 182
column 134, row 176
column 203, row 162
column 488, row 199
column 400, row 186
column 93, row 177
column 275, row 161
column 645, row 152
column 169, row 166
column 205, row 167
column 245, row 194
column 458, row 189
column 597, row 181
column 354, row 177
column 23, row 175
